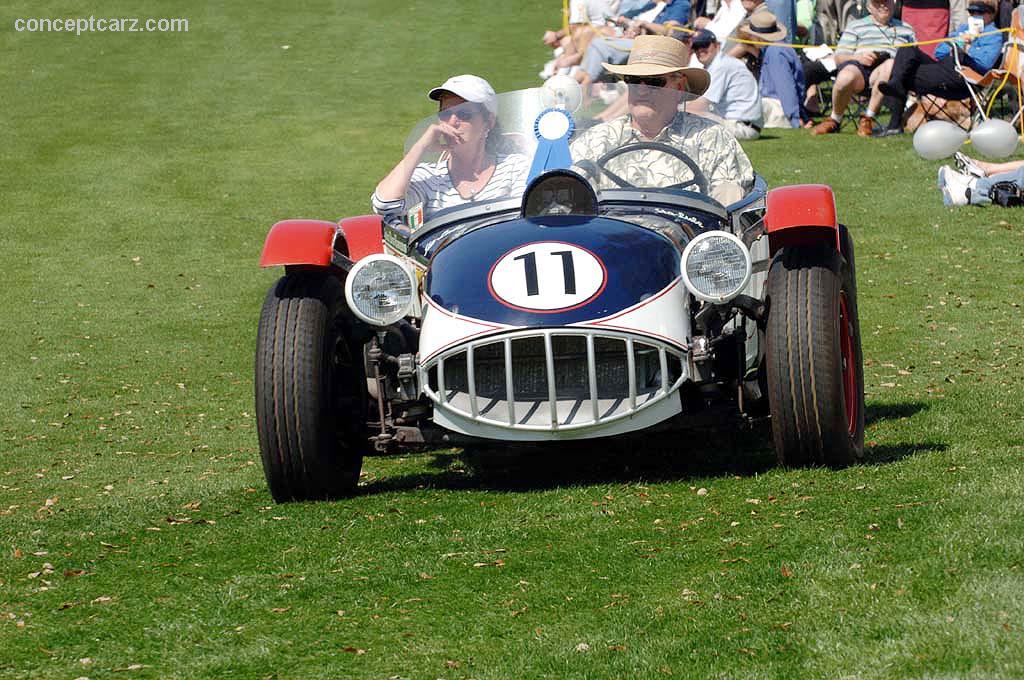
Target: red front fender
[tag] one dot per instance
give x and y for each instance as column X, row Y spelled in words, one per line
column 363, row 236
column 294, row 242
column 312, row 242
column 802, row 214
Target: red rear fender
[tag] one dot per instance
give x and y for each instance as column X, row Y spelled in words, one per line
column 802, row 214
column 298, row 242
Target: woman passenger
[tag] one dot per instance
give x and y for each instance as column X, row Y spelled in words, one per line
column 470, row 167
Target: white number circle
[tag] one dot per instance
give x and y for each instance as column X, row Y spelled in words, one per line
column 547, row 276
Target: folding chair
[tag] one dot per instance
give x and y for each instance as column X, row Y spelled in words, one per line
column 1010, row 73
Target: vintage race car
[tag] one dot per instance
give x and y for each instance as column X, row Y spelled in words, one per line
column 598, row 303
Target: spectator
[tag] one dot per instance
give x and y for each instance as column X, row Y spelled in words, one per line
column 782, row 77
column 913, row 70
column 631, row 8
column 751, row 54
column 785, row 14
column 862, row 64
column 982, row 183
column 470, row 169
column 729, row 15
column 673, row 14
column 733, row 94
column 929, row 19
column 587, row 20
column 603, row 51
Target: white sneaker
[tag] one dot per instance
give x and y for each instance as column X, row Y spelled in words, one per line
column 956, row 187
column 548, row 71
column 967, row 166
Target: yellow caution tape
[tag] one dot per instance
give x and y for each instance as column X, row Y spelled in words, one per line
column 798, row 46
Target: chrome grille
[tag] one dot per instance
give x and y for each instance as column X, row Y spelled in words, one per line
column 553, row 380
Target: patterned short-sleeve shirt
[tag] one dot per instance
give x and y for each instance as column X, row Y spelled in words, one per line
column 715, row 151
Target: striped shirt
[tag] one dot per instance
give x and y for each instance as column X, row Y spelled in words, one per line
column 864, row 35
column 432, row 186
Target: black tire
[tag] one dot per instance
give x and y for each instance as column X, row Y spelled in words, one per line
column 311, row 401
column 814, row 361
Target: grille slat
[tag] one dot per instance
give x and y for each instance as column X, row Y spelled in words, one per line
column 549, row 362
column 471, row 381
column 510, row 392
column 631, row 372
column 592, row 379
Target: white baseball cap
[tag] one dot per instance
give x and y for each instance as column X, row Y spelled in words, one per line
column 471, row 88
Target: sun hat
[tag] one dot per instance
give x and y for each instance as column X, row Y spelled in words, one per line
column 658, row 55
column 471, row 88
column 763, row 26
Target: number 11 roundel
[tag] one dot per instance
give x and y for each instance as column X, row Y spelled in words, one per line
column 547, row 277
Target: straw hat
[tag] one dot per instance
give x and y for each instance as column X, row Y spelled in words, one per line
column 764, row 27
column 658, row 55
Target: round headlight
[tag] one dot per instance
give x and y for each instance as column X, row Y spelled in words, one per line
column 380, row 290
column 716, row 266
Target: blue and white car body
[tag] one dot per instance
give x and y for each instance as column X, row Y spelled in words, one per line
column 584, row 306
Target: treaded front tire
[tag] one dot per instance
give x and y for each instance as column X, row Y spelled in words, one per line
column 310, row 392
column 814, row 361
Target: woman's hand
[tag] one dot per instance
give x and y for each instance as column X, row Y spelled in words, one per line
column 439, row 136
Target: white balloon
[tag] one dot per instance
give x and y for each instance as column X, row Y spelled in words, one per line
column 938, row 139
column 562, row 92
column 995, row 138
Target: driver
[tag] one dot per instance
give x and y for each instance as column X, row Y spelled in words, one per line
column 659, row 80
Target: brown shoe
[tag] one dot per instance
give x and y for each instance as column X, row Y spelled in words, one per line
column 825, row 127
column 865, row 126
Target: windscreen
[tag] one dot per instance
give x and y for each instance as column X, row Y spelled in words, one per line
column 617, row 136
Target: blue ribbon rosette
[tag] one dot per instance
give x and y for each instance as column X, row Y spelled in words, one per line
column 552, row 128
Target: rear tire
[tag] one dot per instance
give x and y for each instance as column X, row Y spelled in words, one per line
column 814, row 361
column 311, row 401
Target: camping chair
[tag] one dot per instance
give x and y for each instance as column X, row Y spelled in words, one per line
column 984, row 88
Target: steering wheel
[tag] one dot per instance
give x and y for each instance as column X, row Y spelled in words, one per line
column 699, row 181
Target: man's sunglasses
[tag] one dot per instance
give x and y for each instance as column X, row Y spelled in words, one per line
column 649, row 81
column 978, row 12
column 463, row 112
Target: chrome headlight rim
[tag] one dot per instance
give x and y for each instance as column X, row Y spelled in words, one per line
column 688, row 251
column 396, row 315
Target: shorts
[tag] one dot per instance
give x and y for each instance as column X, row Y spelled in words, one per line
column 865, row 71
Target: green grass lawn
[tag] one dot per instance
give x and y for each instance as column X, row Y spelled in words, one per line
column 140, row 173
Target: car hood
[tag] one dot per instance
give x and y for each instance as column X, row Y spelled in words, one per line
column 550, row 271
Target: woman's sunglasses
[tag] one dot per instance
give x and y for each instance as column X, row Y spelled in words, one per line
column 649, row 81
column 463, row 112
